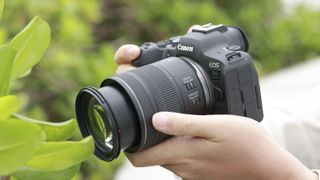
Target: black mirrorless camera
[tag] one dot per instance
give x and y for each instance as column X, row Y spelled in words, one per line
column 206, row 71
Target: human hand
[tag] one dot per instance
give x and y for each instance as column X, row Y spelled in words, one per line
column 219, row 147
column 215, row 146
column 125, row 55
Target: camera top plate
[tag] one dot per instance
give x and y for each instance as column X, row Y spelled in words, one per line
column 209, row 28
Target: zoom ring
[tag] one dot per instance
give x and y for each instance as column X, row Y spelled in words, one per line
column 162, row 89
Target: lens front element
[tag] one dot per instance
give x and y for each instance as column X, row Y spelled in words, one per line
column 99, row 129
column 107, row 114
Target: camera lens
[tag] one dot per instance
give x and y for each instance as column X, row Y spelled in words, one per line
column 119, row 114
column 97, row 117
column 107, row 114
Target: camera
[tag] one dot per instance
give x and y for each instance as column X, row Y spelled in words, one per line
column 206, row 71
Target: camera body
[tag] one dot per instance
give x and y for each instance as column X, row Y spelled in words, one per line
column 206, row 71
column 221, row 51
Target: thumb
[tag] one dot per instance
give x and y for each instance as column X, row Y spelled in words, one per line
column 185, row 124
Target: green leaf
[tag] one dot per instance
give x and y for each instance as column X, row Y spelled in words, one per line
column 18, row 142
column 31, row 44
column 1, row 7
column 7, row 55
column 26, row 73
column 54, row 131
column 54, row 156
column 8, row 105
column 26, row 173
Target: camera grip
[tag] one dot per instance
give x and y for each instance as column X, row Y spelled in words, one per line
column 150, row 53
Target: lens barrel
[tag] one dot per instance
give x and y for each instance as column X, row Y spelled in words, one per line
column 126, row 103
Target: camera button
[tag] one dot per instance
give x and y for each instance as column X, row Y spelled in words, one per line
column 218, row 93
column 162, row 44
column 216, row 74
column 195, row 101
column 234, row 48
column 190, row 85
column 233, row 56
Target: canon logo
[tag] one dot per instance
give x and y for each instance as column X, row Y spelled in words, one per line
column 185, row 48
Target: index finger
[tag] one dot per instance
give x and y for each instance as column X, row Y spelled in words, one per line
column 127, row 53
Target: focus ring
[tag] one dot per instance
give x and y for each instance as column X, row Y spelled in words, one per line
column 161, row 88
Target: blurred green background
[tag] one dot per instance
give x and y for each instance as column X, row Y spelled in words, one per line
column 86, row 33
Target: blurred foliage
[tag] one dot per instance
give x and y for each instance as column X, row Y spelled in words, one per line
column 86, row 33
column 32, row 149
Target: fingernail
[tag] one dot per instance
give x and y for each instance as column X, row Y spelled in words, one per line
column 133, row 52
column 160, row 121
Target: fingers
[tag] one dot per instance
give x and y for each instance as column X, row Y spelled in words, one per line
column 125, row 67
column 207, row 126
column 127, row 53
column 182, row 124
column 193, row 27
column 172, row 151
